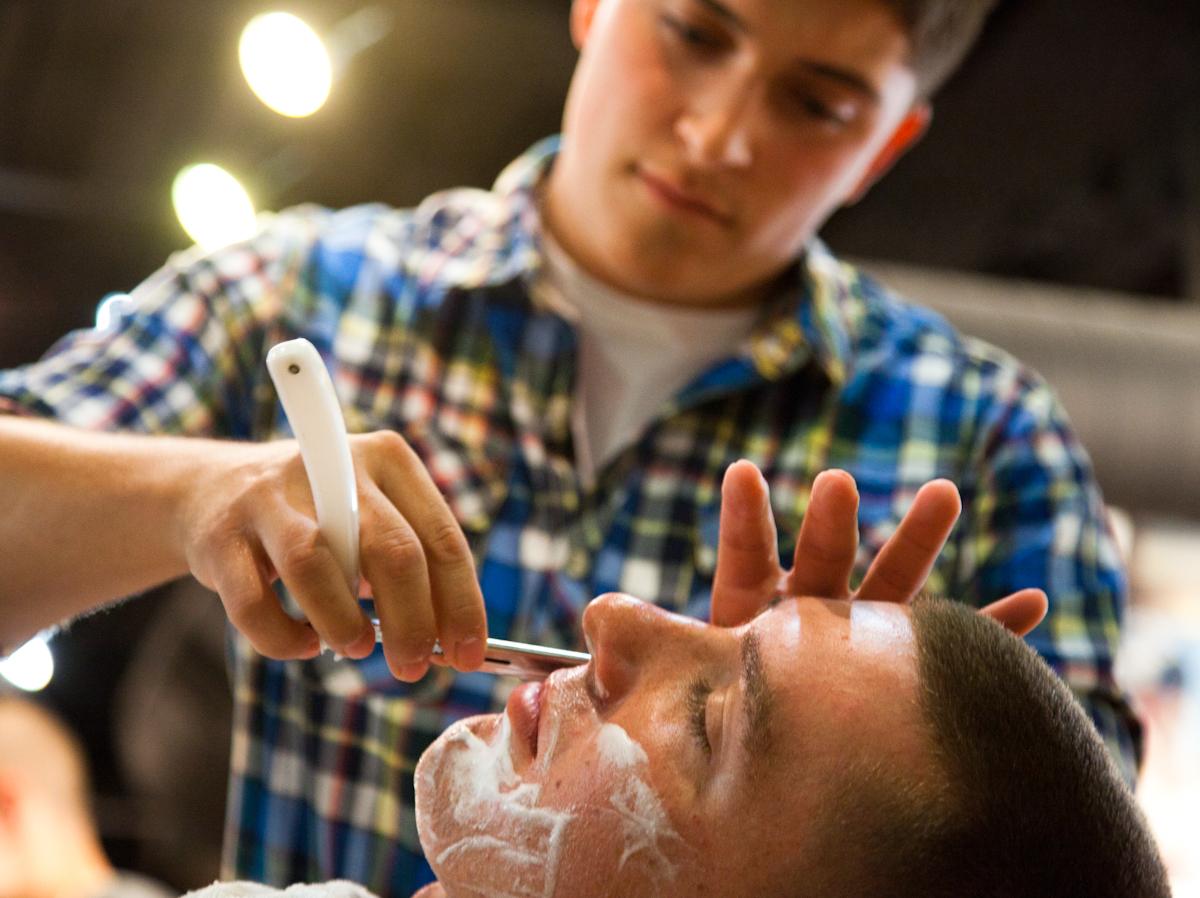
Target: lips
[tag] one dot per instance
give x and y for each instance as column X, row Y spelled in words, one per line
column 674, row 195
column 524, row 712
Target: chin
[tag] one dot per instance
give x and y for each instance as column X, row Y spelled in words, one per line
column 430, row 788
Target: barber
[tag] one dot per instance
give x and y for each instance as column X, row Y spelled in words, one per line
column 546, row 384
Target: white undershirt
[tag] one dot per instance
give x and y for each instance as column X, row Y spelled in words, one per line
column 634, row 355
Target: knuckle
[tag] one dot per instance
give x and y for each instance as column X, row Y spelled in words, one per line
column 386, row 442
column 398, row 549
column 447, row 544
column 301, row 552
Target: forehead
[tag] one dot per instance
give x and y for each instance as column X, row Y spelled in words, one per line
column 856, row 28
column 844, row 680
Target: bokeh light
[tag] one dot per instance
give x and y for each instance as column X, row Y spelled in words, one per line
column 285, row 63
column 212, row 205
column 30, row 667
column 111, row 308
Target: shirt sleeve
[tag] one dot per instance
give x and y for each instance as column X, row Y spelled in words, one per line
column 185, row 356
column 1034, row 517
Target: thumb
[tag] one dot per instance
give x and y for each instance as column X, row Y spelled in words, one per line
column 748, row 572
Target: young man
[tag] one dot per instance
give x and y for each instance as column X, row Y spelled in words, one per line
column 825, row 748
column 548, row 382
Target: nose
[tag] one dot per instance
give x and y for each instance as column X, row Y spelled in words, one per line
column 715, row 130
column 629, row 639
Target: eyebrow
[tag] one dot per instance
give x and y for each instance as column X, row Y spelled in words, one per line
column 721, row 11
column 758, row 733
column 849, row 79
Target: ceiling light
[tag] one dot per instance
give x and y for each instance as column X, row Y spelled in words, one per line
column 212, row 206
column 285, row 64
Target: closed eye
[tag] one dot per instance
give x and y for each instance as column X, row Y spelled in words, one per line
column 697, row 707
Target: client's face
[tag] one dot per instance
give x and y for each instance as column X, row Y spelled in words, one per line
column 686, row 759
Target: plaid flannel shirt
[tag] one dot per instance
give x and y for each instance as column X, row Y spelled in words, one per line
column 435, row 322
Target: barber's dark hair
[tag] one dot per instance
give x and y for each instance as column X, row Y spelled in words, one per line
column 1023, row 800
column 940, row 33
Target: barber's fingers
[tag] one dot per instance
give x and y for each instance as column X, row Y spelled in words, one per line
column 393, row 558
column 238, row 578
column 308, row 568
column 748, row 572
column 454, row 585
column 828, row 541
column 1019, row 612
column 903, row 564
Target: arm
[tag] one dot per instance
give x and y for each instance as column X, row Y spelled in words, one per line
column 93, row 517
column 88, row 518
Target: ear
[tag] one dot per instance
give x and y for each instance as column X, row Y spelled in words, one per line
column 910, row 130
column 582, row 14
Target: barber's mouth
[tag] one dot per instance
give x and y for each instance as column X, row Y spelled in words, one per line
column 678, row 199
column 524, row 711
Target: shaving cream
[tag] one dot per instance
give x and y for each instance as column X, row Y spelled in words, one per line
column 516, row 844
column 494, row 814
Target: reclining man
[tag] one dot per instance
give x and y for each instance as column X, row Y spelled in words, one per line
column 825, row 749
column 546, row 383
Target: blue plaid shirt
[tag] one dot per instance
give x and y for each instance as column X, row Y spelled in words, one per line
column 435, row 322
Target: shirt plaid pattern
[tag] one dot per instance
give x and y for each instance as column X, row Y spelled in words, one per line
column 435, row 323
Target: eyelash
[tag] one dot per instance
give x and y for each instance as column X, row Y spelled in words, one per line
column 696, row 38
column 697, row 706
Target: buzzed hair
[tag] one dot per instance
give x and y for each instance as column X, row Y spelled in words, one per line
column 35, row 744
column 1023, row 799
column 940, row 34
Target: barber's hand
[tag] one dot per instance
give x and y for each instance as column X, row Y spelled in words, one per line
column 749, row 574
column 248, row 519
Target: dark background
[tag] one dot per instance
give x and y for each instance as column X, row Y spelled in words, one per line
column 1067, row 150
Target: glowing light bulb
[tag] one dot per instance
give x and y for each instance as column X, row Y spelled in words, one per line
column 212, row 206
column 30, row 667
column 285, row 63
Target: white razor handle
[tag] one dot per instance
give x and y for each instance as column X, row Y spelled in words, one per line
column 312, row 408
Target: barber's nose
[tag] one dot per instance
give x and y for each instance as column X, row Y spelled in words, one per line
column 628, row 637
column 715, row 132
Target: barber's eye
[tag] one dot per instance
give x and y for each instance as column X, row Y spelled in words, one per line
column 697, row 705
column 812, row 107
column 695, row 38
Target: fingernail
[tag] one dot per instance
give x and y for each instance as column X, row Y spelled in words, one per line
column 412, row 672
column 468, row 653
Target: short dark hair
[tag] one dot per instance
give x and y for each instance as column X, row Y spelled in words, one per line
column 1024, row 800
column 940, row 33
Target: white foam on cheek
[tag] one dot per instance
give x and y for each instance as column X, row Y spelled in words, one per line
column 495, row 816
column 617, row 749
column 644, row 822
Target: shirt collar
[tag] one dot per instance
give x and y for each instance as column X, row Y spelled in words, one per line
column 807, row 320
